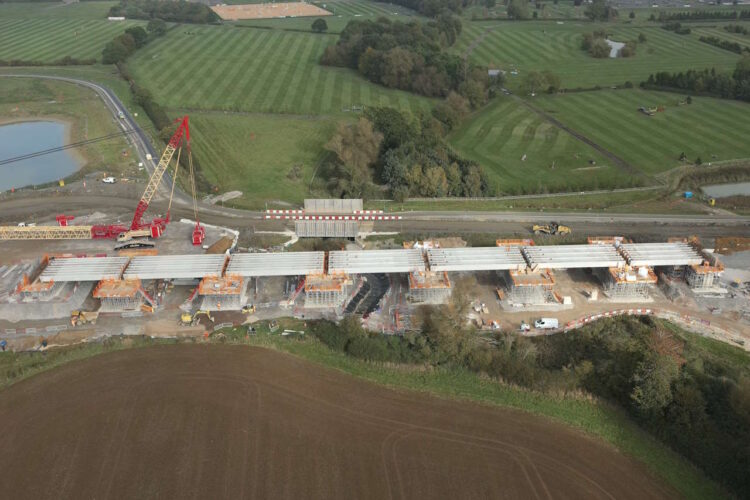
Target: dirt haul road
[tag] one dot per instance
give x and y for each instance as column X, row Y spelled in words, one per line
column 656, row 227
column 198, row 421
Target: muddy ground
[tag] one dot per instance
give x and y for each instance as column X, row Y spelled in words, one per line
column 199, row 421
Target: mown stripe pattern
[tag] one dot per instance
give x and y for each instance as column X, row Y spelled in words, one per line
column 522, row 152
column 712, row 129
column 47, row 40
column 243, row 69
column 547, row 46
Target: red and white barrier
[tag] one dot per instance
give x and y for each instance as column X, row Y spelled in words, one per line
column 334, row 217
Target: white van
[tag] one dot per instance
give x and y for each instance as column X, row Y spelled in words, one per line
column 546, row 323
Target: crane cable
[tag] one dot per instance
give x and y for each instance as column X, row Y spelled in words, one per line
column 192, row 185
column 174, row 181
column 78, row 144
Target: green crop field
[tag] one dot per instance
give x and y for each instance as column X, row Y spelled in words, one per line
column 246, row 69
column 501, row 134
column 712, row 129
column 47, row 33
column 255, row 153
column 549, row 46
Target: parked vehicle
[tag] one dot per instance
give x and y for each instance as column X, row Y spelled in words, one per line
column 546, row 324
column 109, row 180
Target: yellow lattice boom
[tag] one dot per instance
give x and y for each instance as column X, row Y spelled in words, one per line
column 45, row 233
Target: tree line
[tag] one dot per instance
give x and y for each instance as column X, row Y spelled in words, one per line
column 173, row 11
column 122, row 46
column 694, row 399
column 735, row 85
column 725, row 44
column 698, row 15
column 407, row 56
column 676, row 27
column 432, row 8
column 736, row 28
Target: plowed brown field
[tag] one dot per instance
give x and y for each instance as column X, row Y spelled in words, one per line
column 197, row 421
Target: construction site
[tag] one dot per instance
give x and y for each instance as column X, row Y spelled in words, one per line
column 141, row 278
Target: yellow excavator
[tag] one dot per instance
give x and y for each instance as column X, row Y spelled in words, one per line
column 553, row 228
column 249, row 309
column 187, row 319
column 83, row 317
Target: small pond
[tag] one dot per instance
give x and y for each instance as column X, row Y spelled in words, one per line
column 17, row 139
column 724, row 190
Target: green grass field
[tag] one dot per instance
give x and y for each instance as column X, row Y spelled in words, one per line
column 57, row 10
column 246, row 69
column 254, row 153
column 713, row 129
column 503, row 132
column 48, row 32
column 549, row 46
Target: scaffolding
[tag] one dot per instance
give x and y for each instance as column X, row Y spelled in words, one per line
column 222, row 293
column 33, row 290
column 528, row 287
column 118, row 295
column 627, row 283
column 429, row 287
column 324, row 290
column 526, row 242
column 703, row 276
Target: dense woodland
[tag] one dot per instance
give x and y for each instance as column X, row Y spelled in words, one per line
column 405, row 153
column 172, row 11
column 735, row 85
column 692, row 396
column 394, row 149
column 407, row 56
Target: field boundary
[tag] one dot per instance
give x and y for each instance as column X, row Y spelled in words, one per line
column 537, row 196
column 619, row 162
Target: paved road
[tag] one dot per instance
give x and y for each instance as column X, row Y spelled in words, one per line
column 138, row 139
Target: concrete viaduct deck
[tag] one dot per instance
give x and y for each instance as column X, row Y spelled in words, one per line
column 71, row 269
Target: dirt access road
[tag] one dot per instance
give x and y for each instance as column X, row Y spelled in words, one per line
column 212, row 421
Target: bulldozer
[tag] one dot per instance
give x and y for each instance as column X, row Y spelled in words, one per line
column 553, row 228
column 187, row 319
